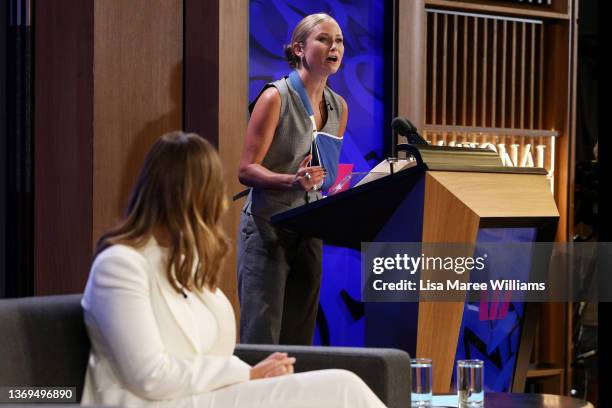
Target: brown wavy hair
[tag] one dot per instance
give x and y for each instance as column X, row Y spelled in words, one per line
column 180, row 191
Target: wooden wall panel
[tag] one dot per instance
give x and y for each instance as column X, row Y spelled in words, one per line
column 201, row 59
column 233, row 116
column 557, row 86
column 557, row 10
column 411, row 54
column 138, row 78
column 62, row 132
column 216, row 98
column 481, row 71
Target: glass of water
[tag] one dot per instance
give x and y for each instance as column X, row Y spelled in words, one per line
column 421, row 382
column 470, row 375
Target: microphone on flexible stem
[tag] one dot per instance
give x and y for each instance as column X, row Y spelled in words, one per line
column 399, row 126
column 404, row 127
column 394, row 140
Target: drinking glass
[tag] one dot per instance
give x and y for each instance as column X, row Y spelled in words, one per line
column 470, row 375
column 421, row 382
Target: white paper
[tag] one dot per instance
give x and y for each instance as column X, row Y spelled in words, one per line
column 382, row 169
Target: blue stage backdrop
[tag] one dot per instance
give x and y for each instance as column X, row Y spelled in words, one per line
column 360, row 82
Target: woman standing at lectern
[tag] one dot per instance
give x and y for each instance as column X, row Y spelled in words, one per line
column 279, row 272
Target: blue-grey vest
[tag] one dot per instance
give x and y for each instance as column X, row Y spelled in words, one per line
column 290, row 145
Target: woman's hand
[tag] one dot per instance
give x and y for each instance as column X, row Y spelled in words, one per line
column 309, row 178
column 276, row 364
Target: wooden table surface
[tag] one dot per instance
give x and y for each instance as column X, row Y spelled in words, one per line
column 511, row 400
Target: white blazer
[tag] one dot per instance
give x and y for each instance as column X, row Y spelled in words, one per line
column 147, row 343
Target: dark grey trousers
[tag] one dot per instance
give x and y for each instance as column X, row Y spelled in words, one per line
column 279, row 278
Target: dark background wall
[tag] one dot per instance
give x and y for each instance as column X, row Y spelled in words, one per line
column 586, row 94
column 586, row 198
column 3, row 135
column 18, row 166
column 63, row 109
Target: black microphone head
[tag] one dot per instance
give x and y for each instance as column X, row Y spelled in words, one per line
column 402, row 126
column 414, row 128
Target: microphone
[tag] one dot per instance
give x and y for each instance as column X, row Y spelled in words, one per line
column 402, row 126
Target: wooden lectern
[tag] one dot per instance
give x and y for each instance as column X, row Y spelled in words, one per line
column 449, row 195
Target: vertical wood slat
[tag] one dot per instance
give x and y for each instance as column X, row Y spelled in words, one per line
column 428, row 63
column 541, row 80
column 483, row 118
column 454, row 81
column 503, row 78
column 532, row 107
column 494, row 77
column 465, row 70
column 538, row 87
column 474, row 72
column 444, row 65
column 513, row 78
column 434, row 68
column 523, row 70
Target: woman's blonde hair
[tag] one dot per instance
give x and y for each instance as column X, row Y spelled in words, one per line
column 301, row 33
column 180, row 191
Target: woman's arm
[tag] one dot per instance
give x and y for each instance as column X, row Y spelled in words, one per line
column 259, row 135
column 343, row 117
column 119, row 315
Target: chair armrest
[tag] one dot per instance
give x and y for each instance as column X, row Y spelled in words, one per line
column 386, row 371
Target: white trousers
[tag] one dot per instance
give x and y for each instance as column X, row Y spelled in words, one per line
column 313, row 389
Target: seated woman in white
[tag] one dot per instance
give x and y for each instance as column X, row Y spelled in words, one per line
column 162, row 333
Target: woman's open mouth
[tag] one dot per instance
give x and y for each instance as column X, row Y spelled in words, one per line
column 332, row 58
